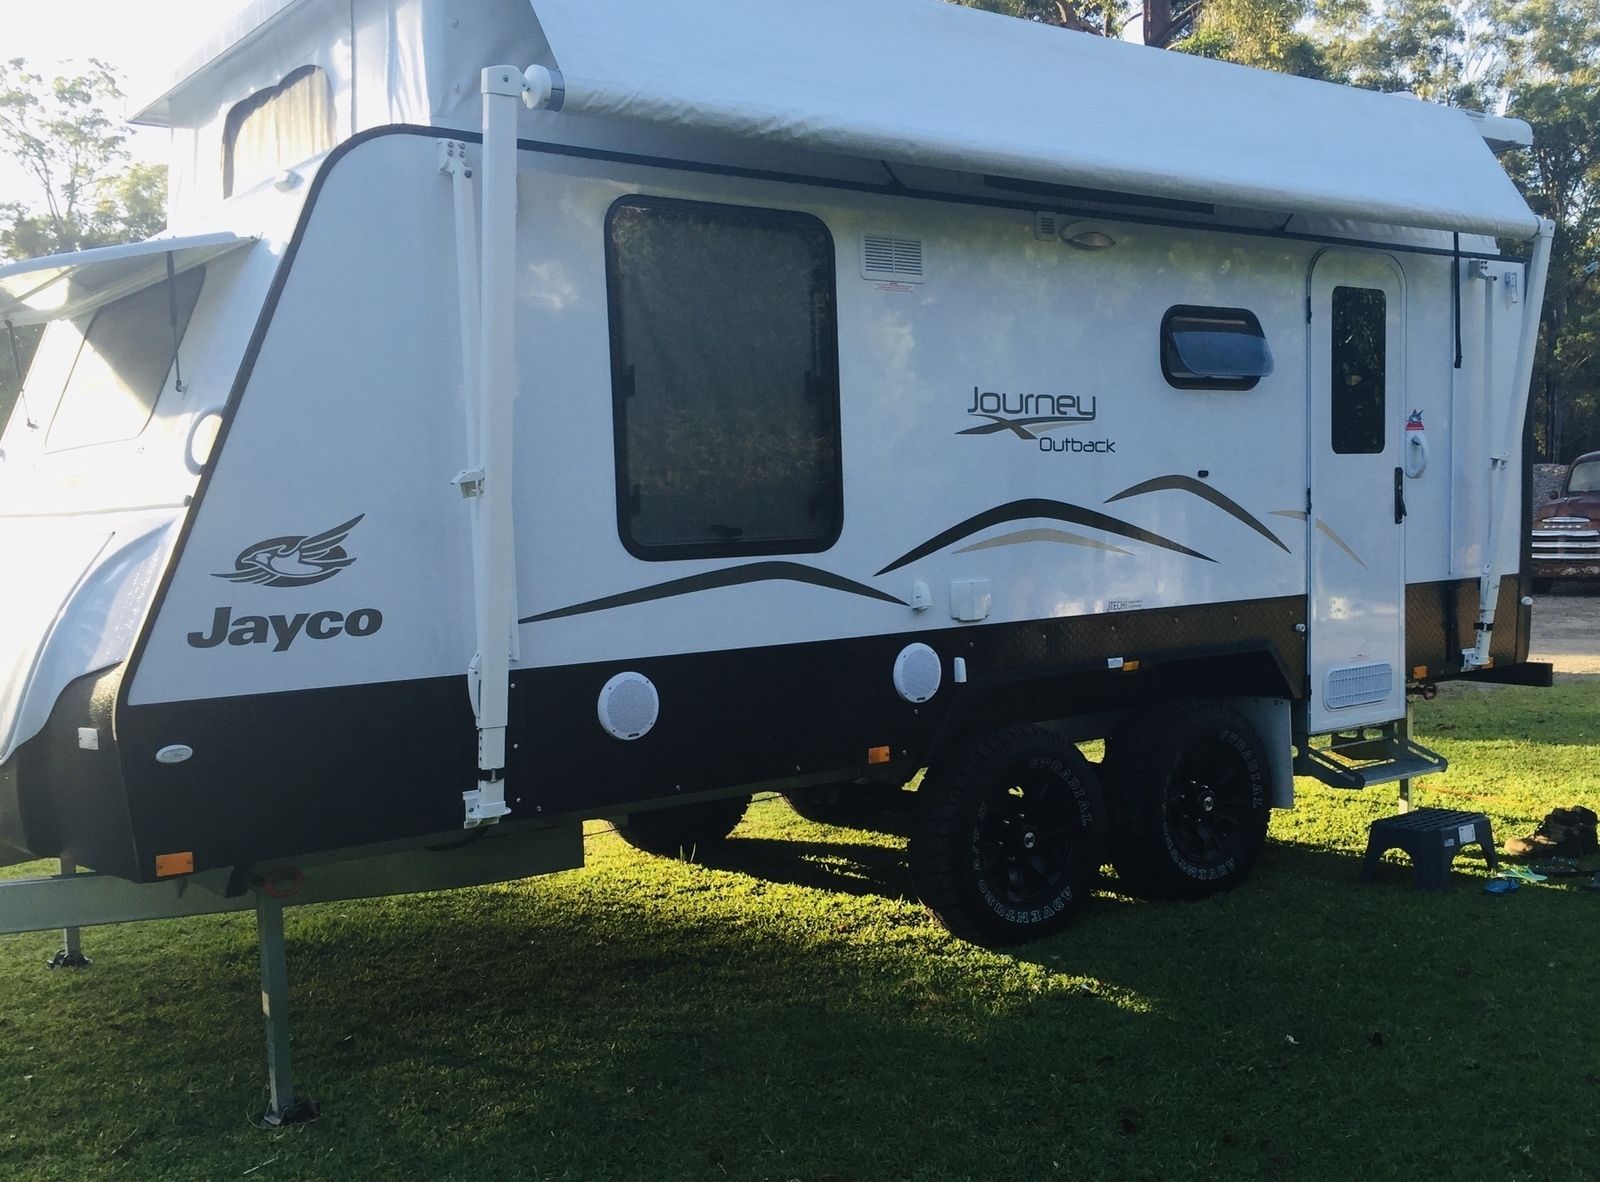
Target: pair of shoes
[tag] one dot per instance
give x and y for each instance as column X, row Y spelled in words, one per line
column 1566, row 832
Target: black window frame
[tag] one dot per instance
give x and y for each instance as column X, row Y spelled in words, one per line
column 621, row 392
column 1186, row 381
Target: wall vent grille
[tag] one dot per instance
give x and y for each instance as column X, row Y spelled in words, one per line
column 1359, row 685
column 885, row 256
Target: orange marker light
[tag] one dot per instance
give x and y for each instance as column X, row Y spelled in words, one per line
column 169, row 864
column 877, row 755
column 1419, row 672
column 1130, row 666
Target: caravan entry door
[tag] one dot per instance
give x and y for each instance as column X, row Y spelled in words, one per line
column 1356, row 530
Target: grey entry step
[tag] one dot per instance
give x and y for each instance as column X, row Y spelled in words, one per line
column 1360, row 761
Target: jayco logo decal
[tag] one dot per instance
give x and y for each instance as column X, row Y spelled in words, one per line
column 294, row 561
column 291, row 561
column 1030, row 416
column 283, row 631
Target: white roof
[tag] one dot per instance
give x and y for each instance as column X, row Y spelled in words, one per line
column 65, row 285
column 924, row 82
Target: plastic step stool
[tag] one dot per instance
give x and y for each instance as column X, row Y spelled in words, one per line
column 1433, row 838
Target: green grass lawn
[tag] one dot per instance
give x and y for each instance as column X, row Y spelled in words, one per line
column 790, row 1013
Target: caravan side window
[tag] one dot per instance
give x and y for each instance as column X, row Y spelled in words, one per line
column 123, row 358
column 725, row 379
column 1360, row 350
column 1213, row 348
column 275, row 128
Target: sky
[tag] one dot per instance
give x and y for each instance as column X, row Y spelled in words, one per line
column 143, row 41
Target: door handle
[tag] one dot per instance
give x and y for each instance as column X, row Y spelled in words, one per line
column 1399, row 495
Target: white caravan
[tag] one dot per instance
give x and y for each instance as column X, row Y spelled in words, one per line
column 725, row 398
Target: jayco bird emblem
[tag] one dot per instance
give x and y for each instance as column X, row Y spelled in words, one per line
column 293, row 561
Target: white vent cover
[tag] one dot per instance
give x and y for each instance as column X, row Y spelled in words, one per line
column 629, row 706
column 1046, row 225
column 1358, row 685
column 885, row 256
column 917, row 673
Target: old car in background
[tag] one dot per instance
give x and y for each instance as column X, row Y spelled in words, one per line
column 1566, row 531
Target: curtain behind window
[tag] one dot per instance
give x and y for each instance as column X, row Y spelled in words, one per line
column 277, row 127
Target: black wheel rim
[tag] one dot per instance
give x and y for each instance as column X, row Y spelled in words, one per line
column 1209, row 799
column 1026, row 836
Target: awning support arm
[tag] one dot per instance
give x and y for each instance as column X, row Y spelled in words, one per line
column 505, row 89
column 1505, row 446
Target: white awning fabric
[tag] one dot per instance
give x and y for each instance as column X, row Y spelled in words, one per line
column 924, row 82
column 66, row 285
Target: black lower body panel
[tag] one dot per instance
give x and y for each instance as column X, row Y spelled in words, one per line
column 287, row 774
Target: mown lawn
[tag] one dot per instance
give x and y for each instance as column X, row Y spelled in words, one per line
column 789, row 1013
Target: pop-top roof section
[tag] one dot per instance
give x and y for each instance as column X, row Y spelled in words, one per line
column 250, row 22
column 917, row 83
column 925, row 82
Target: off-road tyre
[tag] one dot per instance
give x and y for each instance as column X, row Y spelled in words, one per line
column 1189, row 789
column 688, row 831
column 1008, row 836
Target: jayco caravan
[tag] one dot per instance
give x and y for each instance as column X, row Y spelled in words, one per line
column 725, row 398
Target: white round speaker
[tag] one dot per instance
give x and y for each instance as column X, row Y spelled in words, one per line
column 917, row 673
column 628, row 706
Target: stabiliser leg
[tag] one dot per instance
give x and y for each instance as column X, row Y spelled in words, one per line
column 70, row 955
column 284, row 1107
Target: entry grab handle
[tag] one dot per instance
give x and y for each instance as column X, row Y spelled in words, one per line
column 195, row 463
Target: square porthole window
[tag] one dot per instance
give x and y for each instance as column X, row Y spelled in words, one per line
column 1213, row 348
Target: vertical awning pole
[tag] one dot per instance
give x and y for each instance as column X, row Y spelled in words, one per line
column 1505, row 447
column 504, row 91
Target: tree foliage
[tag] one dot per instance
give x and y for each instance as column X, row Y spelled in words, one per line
column 1537, row 60
column 85, row 192
column 60, row 133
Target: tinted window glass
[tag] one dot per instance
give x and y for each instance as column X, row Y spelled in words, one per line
column 726, row 378
column 1360, row 349
column 1213, row 349
column 1584, row 477
column 123, row 359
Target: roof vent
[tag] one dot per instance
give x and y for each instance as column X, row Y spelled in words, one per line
column 884, row 256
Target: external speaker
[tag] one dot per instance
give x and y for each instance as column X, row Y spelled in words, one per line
column 917, row 673
column 628, row 706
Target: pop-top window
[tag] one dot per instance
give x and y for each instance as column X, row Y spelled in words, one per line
column 114, row 363
column 1360, row 353
column 276, row 128
column 724, row 353
column 1213, row 348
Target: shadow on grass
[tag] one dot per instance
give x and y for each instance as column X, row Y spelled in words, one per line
column 656, row 1020
column 849, row 868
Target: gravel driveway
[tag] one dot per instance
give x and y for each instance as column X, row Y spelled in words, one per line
column 1566, row 627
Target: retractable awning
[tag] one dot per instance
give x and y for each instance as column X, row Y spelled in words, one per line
column 925, row 82
column 66, row 285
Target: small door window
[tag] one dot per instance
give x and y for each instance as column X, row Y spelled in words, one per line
column 1213, row 348
column 1360, row 352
